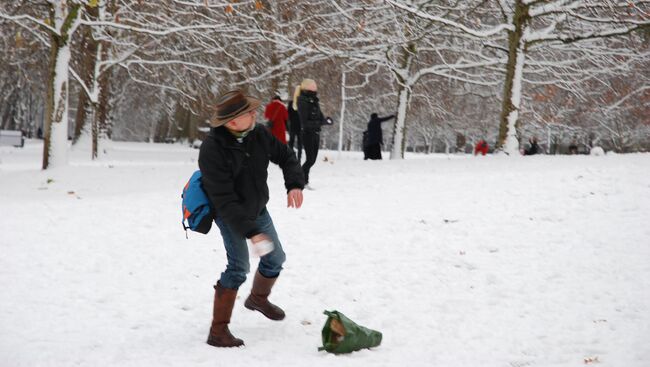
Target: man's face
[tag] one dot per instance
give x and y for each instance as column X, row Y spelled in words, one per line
column 243, row 122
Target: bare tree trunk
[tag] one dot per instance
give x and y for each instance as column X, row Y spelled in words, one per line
column 49, row 102
column 84, row 105
column 275, row 82
column 403, row 94
column 103, row 107
column 399, row 127
column 508, row 139
column 94, row 132
column 56, row 124
column 81, row 117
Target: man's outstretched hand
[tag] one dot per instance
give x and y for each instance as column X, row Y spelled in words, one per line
column 294, row 198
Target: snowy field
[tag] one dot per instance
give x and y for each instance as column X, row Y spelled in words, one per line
column 458, row 260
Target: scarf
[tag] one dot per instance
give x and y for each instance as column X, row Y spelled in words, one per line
column 240, row 135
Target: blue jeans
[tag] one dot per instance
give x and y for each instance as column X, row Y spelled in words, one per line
column 237, row 253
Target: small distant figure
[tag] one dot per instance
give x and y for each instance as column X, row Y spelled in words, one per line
column 39, row 133
column 533, row 148
column 573, row 148
column 295, row 137
column 375, row 139
column 481, row 147
column 364, row 144
column 277, row 114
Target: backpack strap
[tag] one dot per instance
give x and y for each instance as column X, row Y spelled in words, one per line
column 185, row 228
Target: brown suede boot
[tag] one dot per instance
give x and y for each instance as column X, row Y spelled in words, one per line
column 259, row 298
column 220, row 336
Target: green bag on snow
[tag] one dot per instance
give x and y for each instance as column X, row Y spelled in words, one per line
column 342, row 335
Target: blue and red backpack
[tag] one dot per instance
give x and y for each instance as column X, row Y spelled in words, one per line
column 197, row 209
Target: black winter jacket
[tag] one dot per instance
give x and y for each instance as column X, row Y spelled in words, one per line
column 311, row 117
column 294, row 119
column 375, row 135
column 234, row 174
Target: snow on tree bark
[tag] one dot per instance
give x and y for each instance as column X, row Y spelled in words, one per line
column 57, row 155
column 399, row 130
column 55, row 151
column 511, row 145
column 508, row 138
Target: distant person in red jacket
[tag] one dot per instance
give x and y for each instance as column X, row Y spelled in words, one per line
column 481, row 147
column 277, row 114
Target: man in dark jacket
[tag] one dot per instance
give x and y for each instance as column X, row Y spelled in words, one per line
column 375, row 136
column 233, row 162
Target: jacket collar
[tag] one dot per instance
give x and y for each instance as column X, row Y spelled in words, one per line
column 309, row 94
column 228, row 140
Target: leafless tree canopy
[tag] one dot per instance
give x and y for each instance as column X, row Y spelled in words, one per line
column 452, row 71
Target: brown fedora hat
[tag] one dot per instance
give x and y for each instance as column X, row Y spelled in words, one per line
column 231, row 105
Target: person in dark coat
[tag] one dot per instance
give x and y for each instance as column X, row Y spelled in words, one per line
column 295, row 138
column 364, row 144
column 573, row 147
column 311, row 119
column 233, row 160
column 533, row 147
column 375, row 137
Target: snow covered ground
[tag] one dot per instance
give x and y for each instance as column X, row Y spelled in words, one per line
column 458, row 260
